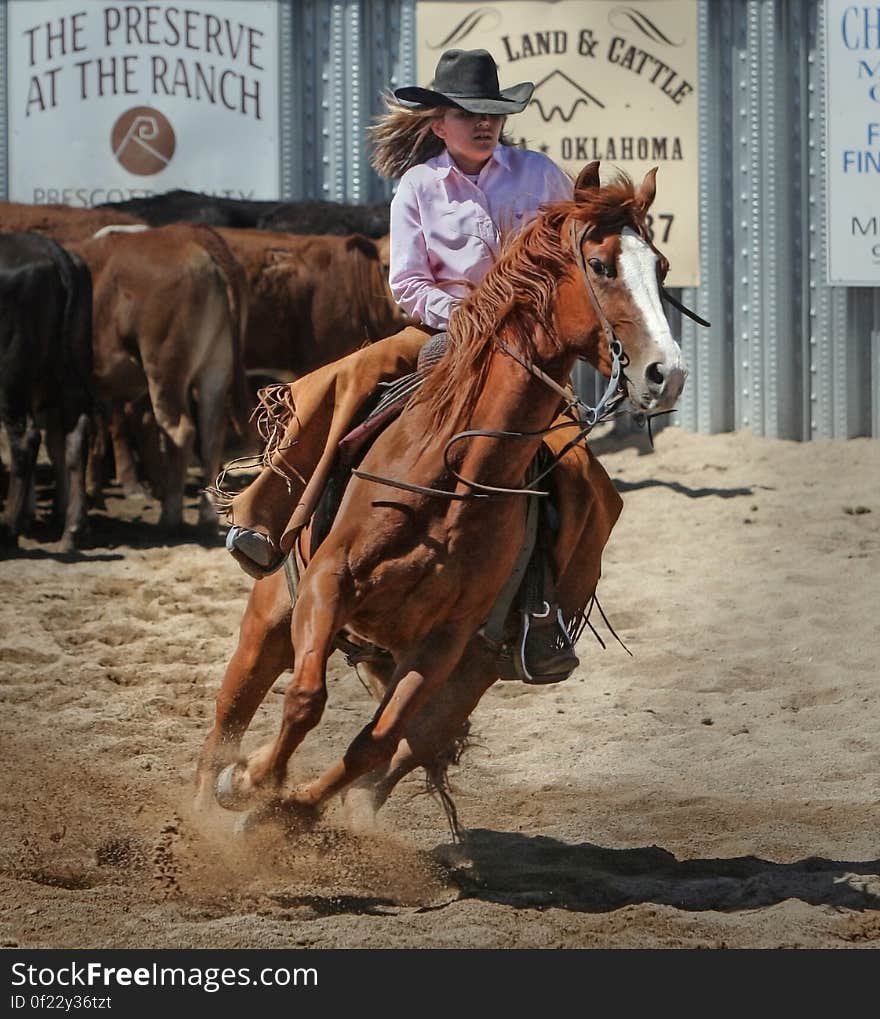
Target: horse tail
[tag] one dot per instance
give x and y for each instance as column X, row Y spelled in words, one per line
column 437, row 778
column 235, row 282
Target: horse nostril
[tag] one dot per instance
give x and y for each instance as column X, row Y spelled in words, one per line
column 654, row 374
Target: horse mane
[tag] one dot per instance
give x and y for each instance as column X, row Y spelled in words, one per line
column 515, row 297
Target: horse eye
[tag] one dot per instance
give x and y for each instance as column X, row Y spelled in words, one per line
column 598, row 266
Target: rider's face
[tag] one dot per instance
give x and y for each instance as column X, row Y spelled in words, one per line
column 470, row 137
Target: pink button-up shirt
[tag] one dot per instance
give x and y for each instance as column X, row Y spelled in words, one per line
column 446, row 231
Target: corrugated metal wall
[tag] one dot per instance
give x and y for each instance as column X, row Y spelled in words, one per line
column 787, row 355
column 337, row 57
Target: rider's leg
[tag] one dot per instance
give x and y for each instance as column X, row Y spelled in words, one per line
column 567, row 556
column 267, row 515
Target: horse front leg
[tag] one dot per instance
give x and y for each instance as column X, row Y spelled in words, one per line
column 316, row 619
column 263, row 652
column 420, row 675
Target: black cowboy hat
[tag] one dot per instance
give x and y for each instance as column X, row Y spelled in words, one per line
column 469, row 79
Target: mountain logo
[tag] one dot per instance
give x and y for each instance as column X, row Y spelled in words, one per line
column 557, row 93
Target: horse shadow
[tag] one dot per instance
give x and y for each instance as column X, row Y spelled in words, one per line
column 108, row 531
column 676, row 486
column 539, row 872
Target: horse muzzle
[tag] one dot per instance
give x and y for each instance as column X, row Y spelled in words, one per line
column 659, row 388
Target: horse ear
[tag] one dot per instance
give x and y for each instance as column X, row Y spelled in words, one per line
column 588, row 177
column 647, row 190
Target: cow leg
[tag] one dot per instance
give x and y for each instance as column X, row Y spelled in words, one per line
column 24, row 444
column 176, row 454
column 124, row 463
column 54, row 432
column 213, row 388
column 264, row 651
column 76, row 444
column 96, row 467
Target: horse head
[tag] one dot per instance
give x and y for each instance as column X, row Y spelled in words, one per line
column 612, row 289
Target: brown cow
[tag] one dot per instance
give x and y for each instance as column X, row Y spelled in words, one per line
column 170, row 308
column 312, row 298
column 64, row 223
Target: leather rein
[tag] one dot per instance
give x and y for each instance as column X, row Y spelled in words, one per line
column 584, row 415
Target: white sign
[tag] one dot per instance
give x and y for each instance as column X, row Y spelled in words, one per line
column 109, row 101
column 853, row 142
column 614, row 82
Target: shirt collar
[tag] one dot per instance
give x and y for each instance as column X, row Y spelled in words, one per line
column 501, row 155
column 445, row 165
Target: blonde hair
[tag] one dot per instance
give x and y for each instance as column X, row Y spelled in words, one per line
column 402, row 137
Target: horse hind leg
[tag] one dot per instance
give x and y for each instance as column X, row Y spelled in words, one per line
column 434, row 740
column 418, row 677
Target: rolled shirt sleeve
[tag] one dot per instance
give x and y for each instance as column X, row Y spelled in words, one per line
column 412, row 281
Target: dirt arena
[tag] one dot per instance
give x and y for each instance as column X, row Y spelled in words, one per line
column 718, row 788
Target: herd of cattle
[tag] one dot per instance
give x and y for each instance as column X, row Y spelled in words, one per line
column 140, row 327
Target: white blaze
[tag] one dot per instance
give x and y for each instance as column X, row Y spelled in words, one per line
column 637, row 265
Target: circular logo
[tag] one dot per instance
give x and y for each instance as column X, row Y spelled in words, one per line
column 143, row 141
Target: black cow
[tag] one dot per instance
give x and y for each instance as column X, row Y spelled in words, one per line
column 45, row 375
column 192, row 207
column 316, row 217
column 306, row 217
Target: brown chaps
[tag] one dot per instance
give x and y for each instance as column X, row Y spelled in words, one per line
column 327, row 401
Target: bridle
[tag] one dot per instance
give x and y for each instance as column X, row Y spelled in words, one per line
column 587, row 417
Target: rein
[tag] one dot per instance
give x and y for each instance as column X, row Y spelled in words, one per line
column 664, row 293
column 587, row 417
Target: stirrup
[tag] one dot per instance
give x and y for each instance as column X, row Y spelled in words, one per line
column 550, row 661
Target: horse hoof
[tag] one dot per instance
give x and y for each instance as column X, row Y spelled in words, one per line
column 298, row 817
column 360, row 811
column 284, row 817
column 245, row 825
column 226, row 790
column 258, row 820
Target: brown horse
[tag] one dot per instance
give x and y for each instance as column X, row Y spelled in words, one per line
column 415, row 569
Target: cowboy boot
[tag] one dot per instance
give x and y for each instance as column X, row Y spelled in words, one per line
column 547, row 651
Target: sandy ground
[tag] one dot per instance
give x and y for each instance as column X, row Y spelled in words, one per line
column 718, row 788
